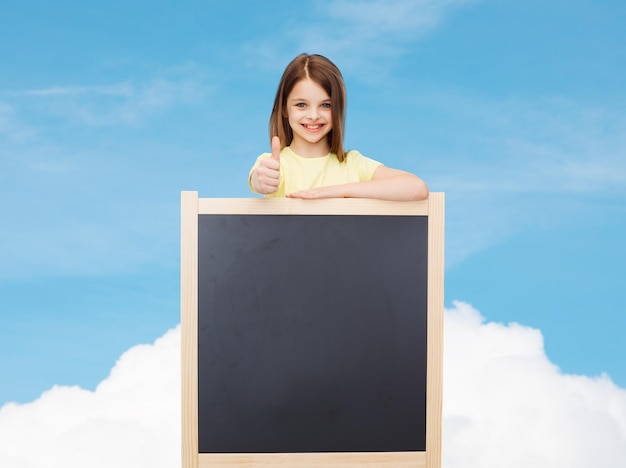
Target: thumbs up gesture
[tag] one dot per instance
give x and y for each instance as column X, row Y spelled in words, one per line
column 265, row 176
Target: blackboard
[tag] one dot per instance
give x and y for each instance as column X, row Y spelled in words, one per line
column 311, row 331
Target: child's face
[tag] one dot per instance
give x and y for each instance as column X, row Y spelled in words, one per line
column 310, row 114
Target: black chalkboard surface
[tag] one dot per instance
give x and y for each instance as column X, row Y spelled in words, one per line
column 312, row 333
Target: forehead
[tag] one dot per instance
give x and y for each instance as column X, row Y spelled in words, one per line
column 309, row 90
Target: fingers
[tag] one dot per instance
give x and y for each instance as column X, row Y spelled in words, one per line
column 266, row 177
column 311, row 194
column 329, row 191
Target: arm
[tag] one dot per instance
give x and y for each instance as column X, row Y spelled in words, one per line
column 386, row 184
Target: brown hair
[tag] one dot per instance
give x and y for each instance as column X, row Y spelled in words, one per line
column 326, row 74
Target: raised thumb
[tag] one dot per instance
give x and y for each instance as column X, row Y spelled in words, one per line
column 276, row 148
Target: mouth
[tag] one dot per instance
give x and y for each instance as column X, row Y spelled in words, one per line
column 312, row 127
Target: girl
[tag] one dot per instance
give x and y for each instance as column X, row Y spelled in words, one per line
column 307, row 159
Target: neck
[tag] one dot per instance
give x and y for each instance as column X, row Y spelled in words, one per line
column 310, row 150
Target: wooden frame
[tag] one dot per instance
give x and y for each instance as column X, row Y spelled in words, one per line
column 191, row 208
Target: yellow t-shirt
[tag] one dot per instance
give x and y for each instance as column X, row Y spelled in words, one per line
column 298, row 173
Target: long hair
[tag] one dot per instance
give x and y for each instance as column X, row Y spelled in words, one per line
column 326, row 74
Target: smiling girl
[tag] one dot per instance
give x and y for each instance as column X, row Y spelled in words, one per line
column 308, row 159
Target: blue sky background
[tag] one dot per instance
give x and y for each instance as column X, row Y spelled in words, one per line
column 515, row 109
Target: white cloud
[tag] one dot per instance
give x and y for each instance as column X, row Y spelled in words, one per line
column 382, row 26
column 525, row 145
column 382, row 16
column 357, row 35
column 75, row 147
column 505, row 405
column 516, row 164
column 119, row 90
column 132, row 419
column 124, row 103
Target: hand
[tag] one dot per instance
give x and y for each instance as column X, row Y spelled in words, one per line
column 330, row 191
column 266, row 176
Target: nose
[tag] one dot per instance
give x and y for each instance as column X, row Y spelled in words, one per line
column 313, row 113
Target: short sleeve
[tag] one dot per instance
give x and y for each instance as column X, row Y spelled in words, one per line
column 364, row 166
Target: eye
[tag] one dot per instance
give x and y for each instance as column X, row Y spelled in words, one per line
column 301, row 105
column 326, row 105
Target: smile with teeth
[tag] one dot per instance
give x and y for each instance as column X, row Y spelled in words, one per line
column 312, row 127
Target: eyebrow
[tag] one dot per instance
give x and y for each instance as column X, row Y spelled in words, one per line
column 295, row 98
